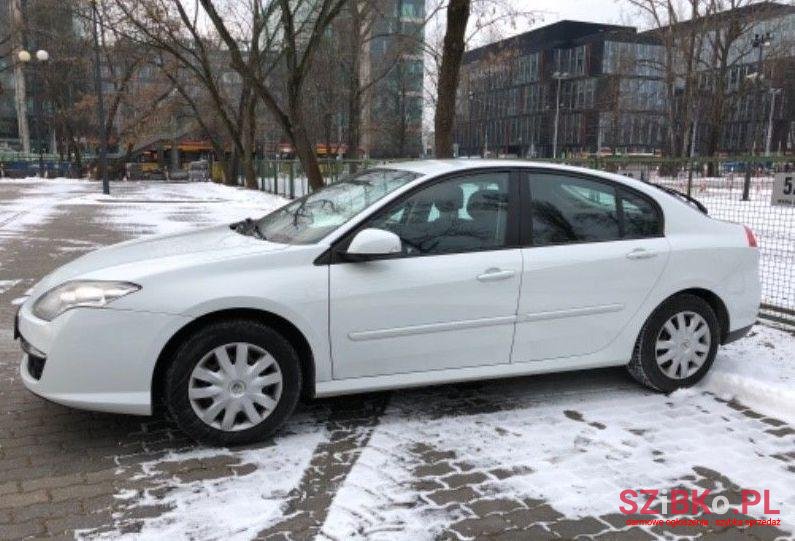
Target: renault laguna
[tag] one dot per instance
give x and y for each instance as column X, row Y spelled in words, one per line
column 416, row 273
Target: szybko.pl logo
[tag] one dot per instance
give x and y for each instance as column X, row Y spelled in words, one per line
column 701, row 503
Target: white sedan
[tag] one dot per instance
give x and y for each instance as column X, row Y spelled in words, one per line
column 416, row 273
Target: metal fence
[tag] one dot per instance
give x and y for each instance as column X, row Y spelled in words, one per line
column 721, row 192
column 19, row 164
column 287, row 178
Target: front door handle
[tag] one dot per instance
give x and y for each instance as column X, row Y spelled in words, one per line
column 641, row 253
column 494, row 274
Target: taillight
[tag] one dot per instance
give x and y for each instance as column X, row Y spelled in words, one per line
column 750, row 236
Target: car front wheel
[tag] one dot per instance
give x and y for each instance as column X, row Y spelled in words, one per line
column 677, row 345
column 233, row 382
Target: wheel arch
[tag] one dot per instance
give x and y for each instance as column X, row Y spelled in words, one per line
column 714, row 301
column 277, row 322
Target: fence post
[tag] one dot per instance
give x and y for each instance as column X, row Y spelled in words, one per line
column 276, row 167
column 292, row 179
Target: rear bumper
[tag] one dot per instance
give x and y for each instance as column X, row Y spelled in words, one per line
column 733, row 336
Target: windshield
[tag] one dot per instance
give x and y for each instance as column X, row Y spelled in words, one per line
column 312, row 217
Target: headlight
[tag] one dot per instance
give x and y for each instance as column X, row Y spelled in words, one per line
column 86, row 293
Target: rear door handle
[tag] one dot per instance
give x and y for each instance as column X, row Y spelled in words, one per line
column 492, row 275
column 641, row 253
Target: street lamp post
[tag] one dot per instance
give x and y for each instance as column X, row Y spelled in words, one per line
column 103, row 134
column 773, row 93
column 471, row 135
column 41, row 56
column 759, row 42
column 559, row 76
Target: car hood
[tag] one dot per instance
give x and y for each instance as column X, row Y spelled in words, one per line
column 207, row 243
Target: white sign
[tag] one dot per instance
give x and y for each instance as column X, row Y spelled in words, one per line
column 783, row 190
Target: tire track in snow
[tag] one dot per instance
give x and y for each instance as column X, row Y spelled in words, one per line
column 351, row 424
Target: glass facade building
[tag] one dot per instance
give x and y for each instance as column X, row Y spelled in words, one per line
column 608, row 88
column 508, row 93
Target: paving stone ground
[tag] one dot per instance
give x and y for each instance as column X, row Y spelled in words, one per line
column 62, row 471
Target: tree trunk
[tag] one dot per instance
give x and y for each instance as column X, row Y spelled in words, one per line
column 306, row 154
column 250, row 171
column 249, row 137
column 354, row 92
column 78, row 160
column 20, row 97
column 354, row 124
column 452, row 54
column 230, row 178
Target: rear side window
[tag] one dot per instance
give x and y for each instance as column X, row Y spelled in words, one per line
column 569, row 209
column 641, row 217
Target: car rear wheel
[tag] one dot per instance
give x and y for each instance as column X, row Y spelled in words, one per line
column 233, row 382
column 677, row 345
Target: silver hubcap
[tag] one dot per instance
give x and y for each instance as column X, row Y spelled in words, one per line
column 683, row 345
column 235, row 386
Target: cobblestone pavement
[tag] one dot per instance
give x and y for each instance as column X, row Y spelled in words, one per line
column 461, row 461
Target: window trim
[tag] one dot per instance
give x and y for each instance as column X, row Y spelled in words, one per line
column 334, row 256
column 526, row 211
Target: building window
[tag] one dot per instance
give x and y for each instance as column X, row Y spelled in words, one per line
column 571, row 61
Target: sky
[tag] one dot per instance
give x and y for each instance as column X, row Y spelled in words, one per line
column 544, row 12
column 601, row 11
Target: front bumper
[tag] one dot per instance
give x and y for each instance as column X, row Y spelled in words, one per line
column 95, row 359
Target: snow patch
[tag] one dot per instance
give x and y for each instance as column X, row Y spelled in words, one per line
column 578, row 446
column 758, row 371
column 5, row 285
column 238, row 505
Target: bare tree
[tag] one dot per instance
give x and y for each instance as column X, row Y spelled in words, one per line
column 300, row 27
column 198, row 57
column 729, row 42
column 488, row 21
column 681, row 44
column 449, row 71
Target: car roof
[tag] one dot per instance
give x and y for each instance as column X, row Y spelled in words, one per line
column 437, row 167
column 440, row 167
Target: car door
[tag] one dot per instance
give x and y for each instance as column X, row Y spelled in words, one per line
column 449, row 299
column 595, row 251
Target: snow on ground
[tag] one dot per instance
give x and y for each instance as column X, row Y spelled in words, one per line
column 138, row 208
column 632, row 440
column 146, row 208
column 240, row 505
column 40, row 200
column 758, row 371
column 5, row 285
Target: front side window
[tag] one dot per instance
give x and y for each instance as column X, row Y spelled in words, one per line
column 465, row 214
column 569, row 209
column 312, row 217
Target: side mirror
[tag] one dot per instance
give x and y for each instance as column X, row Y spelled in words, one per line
column 371, row 243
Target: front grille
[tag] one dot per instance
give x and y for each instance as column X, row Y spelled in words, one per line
column 36, row 366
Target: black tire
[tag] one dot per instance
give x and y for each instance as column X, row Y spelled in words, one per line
column 205, row 340
column 643, row 365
